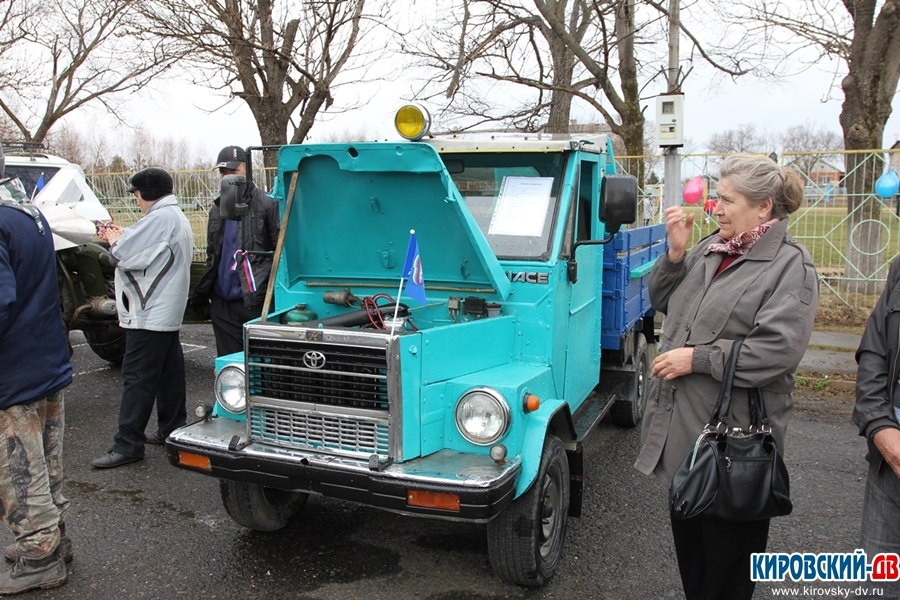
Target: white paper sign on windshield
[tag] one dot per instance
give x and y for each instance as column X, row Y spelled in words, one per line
column 522, row 206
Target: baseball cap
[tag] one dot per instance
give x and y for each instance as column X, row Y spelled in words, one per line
column 151, row 179
column 230, row 157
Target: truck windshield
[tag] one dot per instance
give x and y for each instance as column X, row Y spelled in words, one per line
column 513, row 197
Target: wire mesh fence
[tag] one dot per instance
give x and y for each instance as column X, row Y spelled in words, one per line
column 852, row 234
column 196, row 191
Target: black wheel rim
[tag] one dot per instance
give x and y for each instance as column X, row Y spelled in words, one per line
column 551, row 510
column 278, row 498
column 641, row 381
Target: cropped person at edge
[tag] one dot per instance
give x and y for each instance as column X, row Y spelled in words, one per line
column 877, row 413
column 749, row 280
column 153, row 262
column 36, row 370
column 233, row 288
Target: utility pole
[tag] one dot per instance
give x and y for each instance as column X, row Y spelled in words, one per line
column 672, row 159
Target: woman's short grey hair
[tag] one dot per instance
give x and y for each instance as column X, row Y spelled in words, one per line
column 759, row 178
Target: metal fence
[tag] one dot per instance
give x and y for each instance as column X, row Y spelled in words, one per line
column 195, row 190
column 833, row 223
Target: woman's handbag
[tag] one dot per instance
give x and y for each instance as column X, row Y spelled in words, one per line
column 736, row 474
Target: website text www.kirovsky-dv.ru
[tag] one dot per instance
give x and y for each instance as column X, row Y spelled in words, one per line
column 824, row 567
column 812, row 591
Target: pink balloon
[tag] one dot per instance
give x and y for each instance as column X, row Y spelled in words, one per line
column 693, row 190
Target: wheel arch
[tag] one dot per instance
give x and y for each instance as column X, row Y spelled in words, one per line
column 554, row 417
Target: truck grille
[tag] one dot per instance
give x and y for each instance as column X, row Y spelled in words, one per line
column 323, row 432
column 326, row 395
column 350, row 376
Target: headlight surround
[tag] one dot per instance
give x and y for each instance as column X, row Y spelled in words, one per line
column 412, row 121
column 231, row 389
column 482, row 416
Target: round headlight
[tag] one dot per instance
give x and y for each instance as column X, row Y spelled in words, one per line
column 412, row 121
column 231, row 391
column 482, row 416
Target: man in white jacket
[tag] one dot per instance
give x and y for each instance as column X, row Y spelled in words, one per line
column 153, row 262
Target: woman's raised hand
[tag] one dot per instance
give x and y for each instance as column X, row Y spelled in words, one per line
column 679, row 226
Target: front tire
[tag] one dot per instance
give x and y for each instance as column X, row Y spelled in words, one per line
column 525, row 540
column 260, row 508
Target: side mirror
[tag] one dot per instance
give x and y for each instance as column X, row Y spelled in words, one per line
column 231, row 196
column 618, row 201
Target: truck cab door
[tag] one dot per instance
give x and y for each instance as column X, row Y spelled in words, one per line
column 585, row 295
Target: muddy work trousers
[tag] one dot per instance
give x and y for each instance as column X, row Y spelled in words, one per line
column 32, row 504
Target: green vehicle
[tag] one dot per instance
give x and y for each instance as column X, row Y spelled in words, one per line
column 471, row 406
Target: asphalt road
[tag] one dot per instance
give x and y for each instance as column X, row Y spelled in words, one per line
column 149, row 530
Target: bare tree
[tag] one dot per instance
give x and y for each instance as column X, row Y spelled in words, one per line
column 743, row 139
column 865, row 35
column 805, row 146
column 58, row 56
column 561, row 50
column 283, row 58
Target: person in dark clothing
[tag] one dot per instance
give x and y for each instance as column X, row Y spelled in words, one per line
column 36, row 370
column 233, row 288
column 876, row 413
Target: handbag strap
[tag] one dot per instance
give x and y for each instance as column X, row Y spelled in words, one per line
column 759, row 419
column 719, row 416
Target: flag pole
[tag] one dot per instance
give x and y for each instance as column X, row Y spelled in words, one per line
column 412, row 232
column 397, row 306
column 35, row 190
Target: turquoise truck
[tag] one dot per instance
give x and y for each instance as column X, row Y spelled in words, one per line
column 473, row 405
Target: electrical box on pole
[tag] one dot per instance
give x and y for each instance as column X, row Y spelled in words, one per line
column 670, row 119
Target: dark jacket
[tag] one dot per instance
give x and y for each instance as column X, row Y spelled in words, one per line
column 768, row 297
column 257, row 232
column 878, row 360
column 34, row 353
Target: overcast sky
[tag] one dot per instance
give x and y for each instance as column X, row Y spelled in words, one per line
column 178, row 111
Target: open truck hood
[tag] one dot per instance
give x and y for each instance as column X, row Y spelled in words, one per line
column 355, row 205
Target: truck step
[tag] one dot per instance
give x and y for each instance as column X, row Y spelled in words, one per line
column 591, row 412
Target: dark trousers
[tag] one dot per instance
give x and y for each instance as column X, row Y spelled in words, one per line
column 881, row 521
column 228, row 320
column 152, row 372
column 714, row 557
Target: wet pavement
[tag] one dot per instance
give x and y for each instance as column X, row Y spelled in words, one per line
column 149, row 530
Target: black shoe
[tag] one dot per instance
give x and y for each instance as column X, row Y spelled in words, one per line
column 114, row 459
column 156, row 440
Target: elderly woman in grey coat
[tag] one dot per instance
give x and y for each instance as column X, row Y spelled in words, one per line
column 748, row 280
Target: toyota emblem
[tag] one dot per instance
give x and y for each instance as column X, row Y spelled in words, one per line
column 314, row 359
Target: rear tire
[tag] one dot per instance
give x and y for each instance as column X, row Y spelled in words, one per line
column 630, row 412
column 108, row 344
column 525, row 540
column 260, row 508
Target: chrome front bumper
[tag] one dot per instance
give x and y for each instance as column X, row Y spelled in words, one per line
column 483, row 487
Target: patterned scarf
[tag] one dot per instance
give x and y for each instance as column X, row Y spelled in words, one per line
column 741, row 244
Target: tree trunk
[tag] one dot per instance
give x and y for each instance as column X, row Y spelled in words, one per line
column 560, row 101
column 869, row 88
column 632, row 130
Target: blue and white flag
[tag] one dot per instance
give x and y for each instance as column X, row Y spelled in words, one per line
column 412, row 271
column 38, row 186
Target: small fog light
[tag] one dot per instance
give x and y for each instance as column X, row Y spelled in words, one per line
column 498, row 453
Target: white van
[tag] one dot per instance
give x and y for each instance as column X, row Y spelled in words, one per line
column 50, row 179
